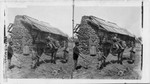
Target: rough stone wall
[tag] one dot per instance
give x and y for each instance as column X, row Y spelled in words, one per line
column 87, row 35
column 20, row 35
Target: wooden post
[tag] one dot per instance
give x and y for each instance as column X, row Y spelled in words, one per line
column 73, row 18
column 72, row 31
column 142, row 44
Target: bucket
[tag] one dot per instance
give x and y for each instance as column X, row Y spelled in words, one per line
column 26, row 50
column 93, row 51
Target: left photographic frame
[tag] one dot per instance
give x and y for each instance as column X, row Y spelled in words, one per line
column 38, row 40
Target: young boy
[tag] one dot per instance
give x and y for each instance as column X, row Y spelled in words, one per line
column 75, row 54
column 132, row 53
column 10, row 54
column 33, row 57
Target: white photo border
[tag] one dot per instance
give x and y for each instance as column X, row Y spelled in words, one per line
column 145, row 36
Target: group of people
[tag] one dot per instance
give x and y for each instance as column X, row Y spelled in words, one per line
column 76, row 51
column 116, row 42
column 52, row 45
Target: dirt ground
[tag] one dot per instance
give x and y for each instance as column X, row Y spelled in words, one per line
column 21, row 67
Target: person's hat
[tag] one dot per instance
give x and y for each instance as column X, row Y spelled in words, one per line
column 114, row 35
column 77, row 43
column 48, row 38
column 11, row 42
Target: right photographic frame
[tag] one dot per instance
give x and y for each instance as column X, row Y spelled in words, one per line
column 108, row 39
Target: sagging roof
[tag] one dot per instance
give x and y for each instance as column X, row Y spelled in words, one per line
column 109, row 26
column 40, row 25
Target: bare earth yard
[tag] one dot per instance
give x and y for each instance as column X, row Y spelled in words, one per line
column 22, row 68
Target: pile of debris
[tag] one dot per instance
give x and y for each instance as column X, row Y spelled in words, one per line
column 117, row 71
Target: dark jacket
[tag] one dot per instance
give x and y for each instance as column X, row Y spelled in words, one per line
column 10, row 50
column 76, row 50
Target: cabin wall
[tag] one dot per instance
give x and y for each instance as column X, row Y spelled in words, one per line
column 20, row 35
column 24, row 34
column 87, row 35
column 91, row 34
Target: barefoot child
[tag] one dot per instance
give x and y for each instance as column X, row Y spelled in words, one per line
column 34, row 57
column 132, row 52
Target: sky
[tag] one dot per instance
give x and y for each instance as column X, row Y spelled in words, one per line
column 57, row 16
column 128, row 17
column 124, row 16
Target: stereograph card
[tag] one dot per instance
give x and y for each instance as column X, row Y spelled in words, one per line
column 74, row 41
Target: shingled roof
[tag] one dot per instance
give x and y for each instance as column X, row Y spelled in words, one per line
column 109, row 26
column 40, row 25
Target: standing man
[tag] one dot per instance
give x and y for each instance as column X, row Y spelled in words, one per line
column 76, row 54
column 10, row 53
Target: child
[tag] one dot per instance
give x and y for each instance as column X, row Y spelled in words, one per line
column 10, row 53
column 132, row 53
column 34, row 57
column 66, row 52
column 75, row 54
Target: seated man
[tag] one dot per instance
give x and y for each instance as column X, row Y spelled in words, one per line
column 52, row 43
column 56, row 44
column 116, row 44
column 48, row 45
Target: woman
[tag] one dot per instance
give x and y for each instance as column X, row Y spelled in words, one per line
column 10, row 53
